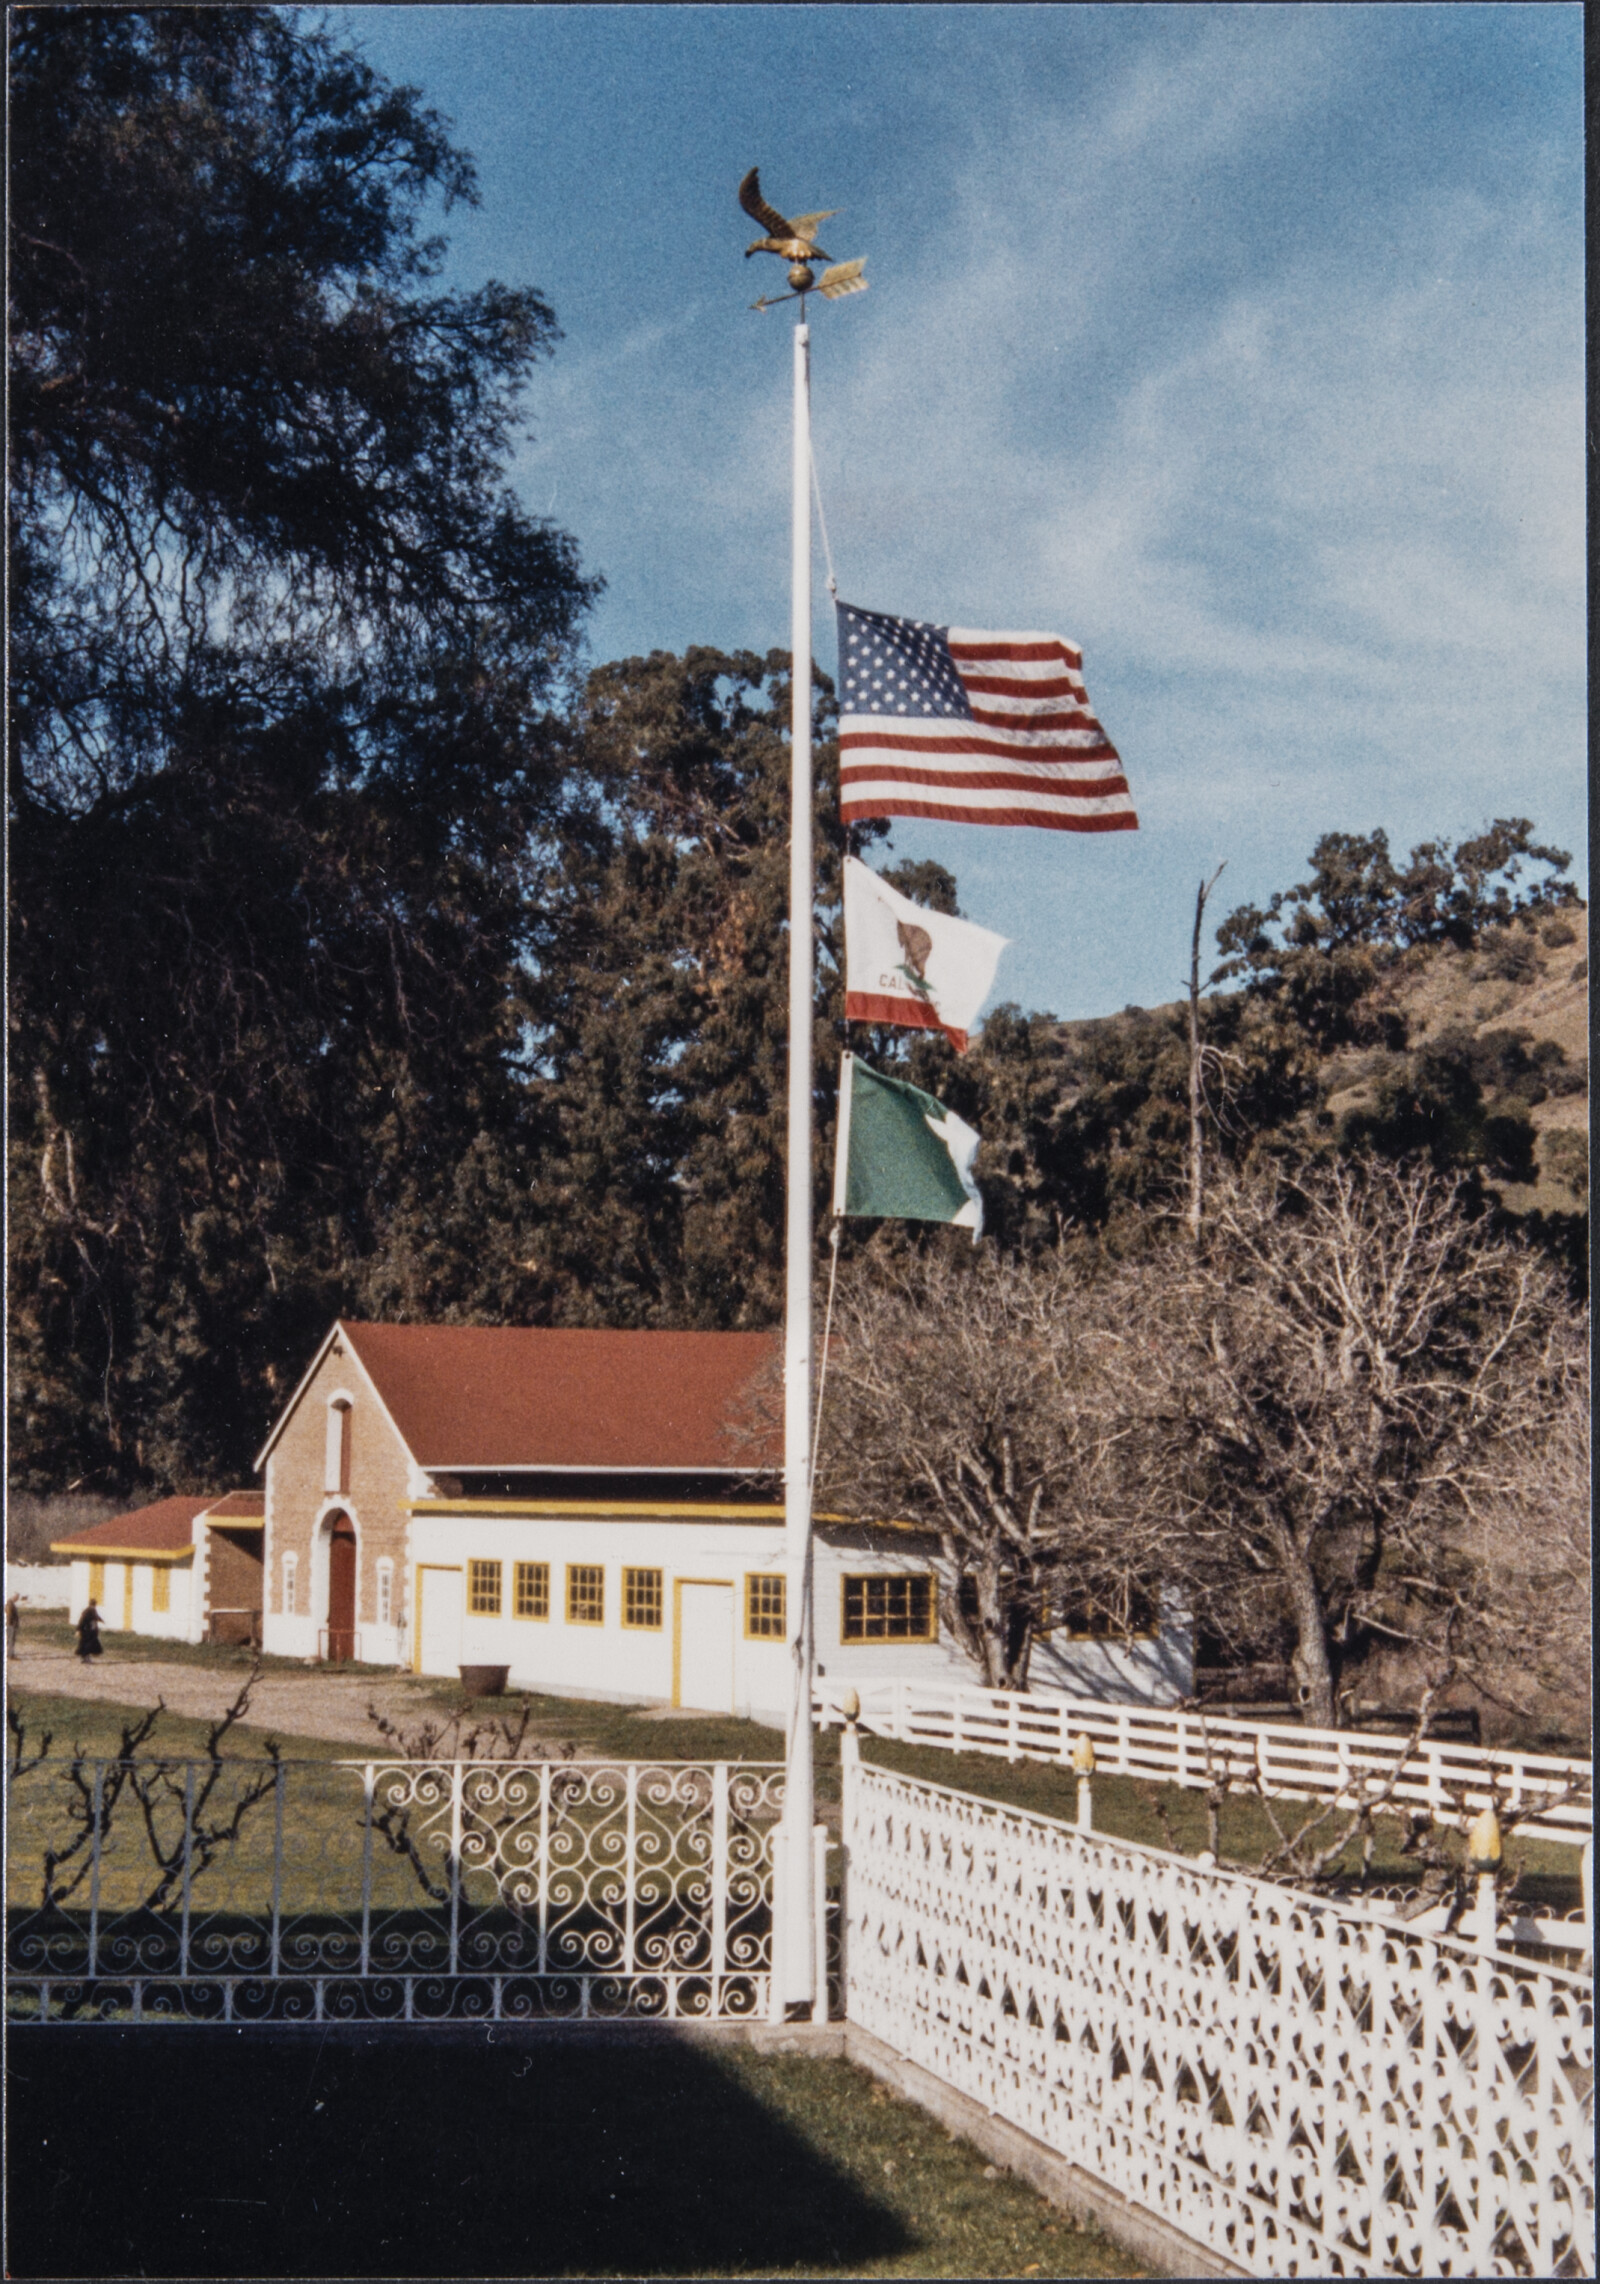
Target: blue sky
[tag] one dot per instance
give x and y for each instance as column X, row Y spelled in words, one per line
column 1242, row 346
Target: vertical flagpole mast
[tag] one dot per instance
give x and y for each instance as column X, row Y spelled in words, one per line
column 794, row 1969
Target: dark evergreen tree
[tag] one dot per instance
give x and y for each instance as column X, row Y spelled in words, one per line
column 285, row 651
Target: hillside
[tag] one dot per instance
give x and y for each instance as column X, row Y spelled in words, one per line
column 1480, row 1054
column 1522, row 992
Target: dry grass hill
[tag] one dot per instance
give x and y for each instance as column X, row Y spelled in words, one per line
column 1503, row 1027
column 1517, row 995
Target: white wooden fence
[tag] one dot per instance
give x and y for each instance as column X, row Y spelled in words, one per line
column 1194, row 1749
column 1306, row 2092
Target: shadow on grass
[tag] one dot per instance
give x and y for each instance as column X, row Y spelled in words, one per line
column 192, row 2152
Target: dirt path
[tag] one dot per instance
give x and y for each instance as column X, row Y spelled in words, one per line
column 313, row 1704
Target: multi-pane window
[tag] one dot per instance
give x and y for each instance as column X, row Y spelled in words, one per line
column 160, row 1586
column 97, row 1581
column 291, row 1582
column 890, row 1609
column 483, row 1589
column 766, row 1606
column 586, row 1594
column 641, row 1598
column 385, row 1578
column 531, row 1590
column 1125, row 1611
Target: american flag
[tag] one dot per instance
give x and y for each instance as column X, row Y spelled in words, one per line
column 980, row 729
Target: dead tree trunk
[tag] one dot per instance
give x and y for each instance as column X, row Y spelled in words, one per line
column 1196, row 1090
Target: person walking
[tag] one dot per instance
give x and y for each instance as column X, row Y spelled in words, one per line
column 89, row 1633
column 13, row 1619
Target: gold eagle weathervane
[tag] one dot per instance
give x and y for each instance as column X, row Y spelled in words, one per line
column 795, row 242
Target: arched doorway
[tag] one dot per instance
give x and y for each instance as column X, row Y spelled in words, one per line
column 339, row 1639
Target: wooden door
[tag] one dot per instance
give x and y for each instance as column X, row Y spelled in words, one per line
column 341, row 1636
column 704, row 1663
column 439, row 1602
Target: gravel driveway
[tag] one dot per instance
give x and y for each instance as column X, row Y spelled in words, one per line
column 313, row 1704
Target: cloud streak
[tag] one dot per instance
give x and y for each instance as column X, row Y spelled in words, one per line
column 1242, row 346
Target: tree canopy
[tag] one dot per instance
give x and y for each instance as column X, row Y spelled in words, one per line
column 288, row 677
column 253, row 450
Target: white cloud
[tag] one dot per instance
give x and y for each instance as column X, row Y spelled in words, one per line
column 1313, row 506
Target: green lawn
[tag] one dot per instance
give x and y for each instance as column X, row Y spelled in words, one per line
column 1156, row 1815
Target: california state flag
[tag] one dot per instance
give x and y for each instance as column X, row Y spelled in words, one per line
column 909, row 966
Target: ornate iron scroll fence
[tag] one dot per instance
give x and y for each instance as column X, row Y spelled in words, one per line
column 389, row 1889
column 1307, row 2092
column 1192, row 1750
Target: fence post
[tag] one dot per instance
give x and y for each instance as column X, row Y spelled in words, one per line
column 544, row 1868
column 188, row 1859
column 849, row 1811
column 1485, row 1853
column 1013, row 1749
column 819, row 1906
column 455, row 1865
column 630, row 1867
column 366, row 1872
column 957, row 1734
column 719, row 1881
column 1083, row 1762
column 277, row 1871
column 94, row 1869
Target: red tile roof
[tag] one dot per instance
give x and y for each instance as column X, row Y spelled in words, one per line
column 494, row 1396
column 160, row 1529
column 238, row 1507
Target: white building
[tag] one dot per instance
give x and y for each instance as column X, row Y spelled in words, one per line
column 599, row 1513
column 184, row 1569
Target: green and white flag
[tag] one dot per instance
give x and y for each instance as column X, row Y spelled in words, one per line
column 902, row 1156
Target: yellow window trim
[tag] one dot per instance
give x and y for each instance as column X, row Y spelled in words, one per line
column 749, row 1634
column 531, row 1617
column 497, row 1565
column 644, row 1625
column 678, row 1585
column 416, row 1606
column 566, row 1593
column 889, row 1641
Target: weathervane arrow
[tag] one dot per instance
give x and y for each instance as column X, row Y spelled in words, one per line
column 795, row 242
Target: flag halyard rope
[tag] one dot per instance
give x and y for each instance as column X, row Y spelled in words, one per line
column 822, row 1369
column 827, row 551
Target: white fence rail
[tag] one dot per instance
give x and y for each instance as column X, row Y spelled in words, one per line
column 390, row 1889
column 1307, row 2092
column 1194, row 1749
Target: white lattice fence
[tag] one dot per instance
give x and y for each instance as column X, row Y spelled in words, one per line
column 1193, row 1749
column 1307, row 2092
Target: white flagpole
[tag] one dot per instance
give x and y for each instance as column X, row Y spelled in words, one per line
column 794, row 1968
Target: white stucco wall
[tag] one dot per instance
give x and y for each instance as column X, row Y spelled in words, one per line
column 620, row 1664
column 43, row 1585
column 626, row 1665
column 142, row 1617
